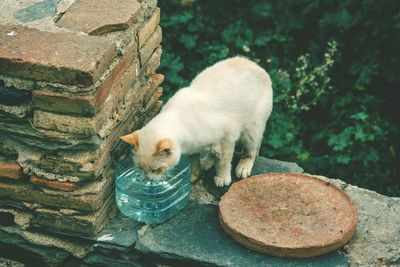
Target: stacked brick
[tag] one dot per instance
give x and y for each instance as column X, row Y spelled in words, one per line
column 65, row 99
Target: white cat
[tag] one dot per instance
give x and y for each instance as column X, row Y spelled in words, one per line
column 227, row 102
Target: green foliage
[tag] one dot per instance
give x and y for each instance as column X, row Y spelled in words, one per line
column 334, row 69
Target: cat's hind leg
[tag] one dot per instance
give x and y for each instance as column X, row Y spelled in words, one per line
column 251, row 140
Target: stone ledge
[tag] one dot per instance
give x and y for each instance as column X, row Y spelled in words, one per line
column 194, row 237
column 102, row 17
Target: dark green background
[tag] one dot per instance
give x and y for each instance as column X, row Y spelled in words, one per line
column 335, row 69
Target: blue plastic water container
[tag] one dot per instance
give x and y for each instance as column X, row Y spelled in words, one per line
column 148, row 201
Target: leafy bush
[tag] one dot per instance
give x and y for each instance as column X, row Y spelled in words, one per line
column 334, row 70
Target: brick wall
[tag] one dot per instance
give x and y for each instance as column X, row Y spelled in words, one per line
column 67, row 92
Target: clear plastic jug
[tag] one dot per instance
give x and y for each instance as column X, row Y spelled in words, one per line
column 148, row 201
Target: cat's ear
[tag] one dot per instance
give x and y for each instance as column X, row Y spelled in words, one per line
column 132, row 139
column 164, row 147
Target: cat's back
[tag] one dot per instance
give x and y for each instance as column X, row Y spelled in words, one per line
column 232, row 70
column 229, row 94
column 235, row 86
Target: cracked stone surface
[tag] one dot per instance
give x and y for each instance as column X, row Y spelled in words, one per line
column 377, row 238
column 375, row 242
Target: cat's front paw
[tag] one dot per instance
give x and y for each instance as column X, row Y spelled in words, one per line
column 243, row 169
column 222, row 181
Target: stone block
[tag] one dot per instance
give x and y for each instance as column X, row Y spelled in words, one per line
column 53, row 184
column 150, row 46
column 90, row 126
column 64, row 123
column 23, row 134
column 86, row 126
column 101, row 16
column 88, row 225
column 63, row 103
column 54, row 57
column 87, row 197
column 46, row 240
column 149, row 27
column 70, row 163
column 10, row 170
column 129, row 114
column 151, row 101
column 28, row 253
column 155, row 81
column 122, row 74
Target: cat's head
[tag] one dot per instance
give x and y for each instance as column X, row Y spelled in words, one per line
column 155, row 156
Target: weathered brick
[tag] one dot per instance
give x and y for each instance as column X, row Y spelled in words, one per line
column 78, row 164
column 100, row 16
column 120, row 80
column 64, row 123
column 125, row 68
column 150, row 46
column 53, row 184
column 86, row 125
column 154, row 60
column 122, row 77
column 156, row 80
column 86, row 197
column 149, row 27
column 54, row 57
column 10, row 170
column 86, row 224
column 154, row 98
column 133, row 112
column 128, row 113
column 63, row 103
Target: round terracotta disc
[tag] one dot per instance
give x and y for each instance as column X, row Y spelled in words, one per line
column 286, row 214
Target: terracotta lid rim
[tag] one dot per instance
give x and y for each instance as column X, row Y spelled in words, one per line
column 261, row 246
